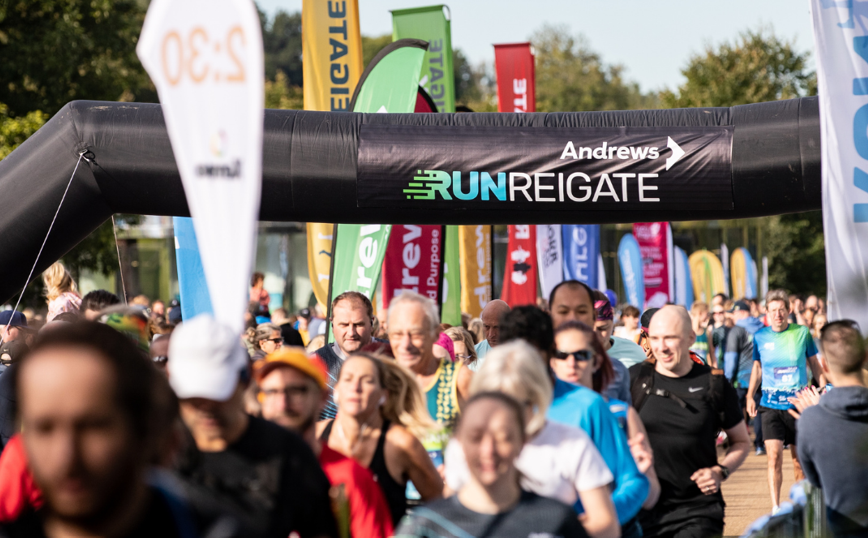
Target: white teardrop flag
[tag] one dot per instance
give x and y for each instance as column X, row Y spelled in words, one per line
column 206, row 60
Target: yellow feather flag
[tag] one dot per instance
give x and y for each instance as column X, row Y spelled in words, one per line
column 475, row 253
column 707, row 273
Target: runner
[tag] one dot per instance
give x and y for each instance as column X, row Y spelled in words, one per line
column 60, row 291
column 704, row 344
column 490, row 316
column 462, row 345
column 264, row 474
column 630, row 328
column 352, row 315
column 87, row 399
column 558, row 461
column 414, row 326
column 831, row 437
column 381, row 416
column 782, row 353
column 616, row 348
column 292, row 390
column 491, row 502
column 683, row 406
column 95, row 301
column 594, row 373
column 267, row 339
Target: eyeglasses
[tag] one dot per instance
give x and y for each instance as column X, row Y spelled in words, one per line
column 288, row 392
column 849, row 323
column 464, row 357
column 580, row 355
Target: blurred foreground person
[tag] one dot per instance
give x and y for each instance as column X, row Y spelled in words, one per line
column 558, row 461
column 292, row 390
column 88, row 407
column 683, row 406
column 491, row 503
column 266, row 475
column 833, row 435
column 380, row 417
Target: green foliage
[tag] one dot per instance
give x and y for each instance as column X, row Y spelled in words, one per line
column 54, row 51
column 281, row 40
column 280, row 94
column 797, row 253
column 372, row 45
column 572, row 77
column 14, row 131
column 758, row 67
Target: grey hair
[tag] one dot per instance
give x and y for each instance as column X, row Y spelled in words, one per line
column 778, row 295
column 427, row 305
column 517, row 369
column 263, row 332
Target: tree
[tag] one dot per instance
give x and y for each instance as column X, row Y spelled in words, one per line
column 281, row 40
column 54, row 51
column 280, row 94
column 14, row 131
column 373, row 45
column 572, row 77
column 760, row 67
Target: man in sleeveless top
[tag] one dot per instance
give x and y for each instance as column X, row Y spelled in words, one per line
column 352, row 322
column 293, row 391
column 414, row 326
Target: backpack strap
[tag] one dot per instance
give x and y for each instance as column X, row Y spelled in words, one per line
column 716, row 388
column 643, row 386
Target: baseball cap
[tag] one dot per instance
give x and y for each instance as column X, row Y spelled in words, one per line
column 304, row 313
column 11, row 352
column 13, row 318
column 294, row 357
column 207, row 358
column 603, row 310
column 646, row 317
column 740, row 306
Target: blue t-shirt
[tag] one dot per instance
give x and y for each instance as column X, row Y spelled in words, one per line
column 580, row 406
column 783, row 357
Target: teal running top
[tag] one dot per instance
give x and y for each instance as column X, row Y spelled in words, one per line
column 783, row 357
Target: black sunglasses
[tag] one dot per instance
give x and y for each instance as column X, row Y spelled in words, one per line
column 580, row 355
column 849, row 323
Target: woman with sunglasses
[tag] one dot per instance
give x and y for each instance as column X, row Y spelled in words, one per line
column 580, row 359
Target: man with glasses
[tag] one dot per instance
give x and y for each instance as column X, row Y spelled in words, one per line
column 782, row 353
column 293, row 391
column 352, row 326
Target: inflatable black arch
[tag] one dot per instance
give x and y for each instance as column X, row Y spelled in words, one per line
column 310, row 170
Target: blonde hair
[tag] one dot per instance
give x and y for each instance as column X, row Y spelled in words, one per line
column 517, row 369
column 697, row 308
column 477, row 330
column 460, row 334
column 57, row 281
column 315, row 343
column 404, row 404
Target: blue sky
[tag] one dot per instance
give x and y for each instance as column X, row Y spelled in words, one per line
column 653, row 39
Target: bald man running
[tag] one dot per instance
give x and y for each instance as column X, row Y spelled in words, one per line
column 683, row 405
column 491, row 316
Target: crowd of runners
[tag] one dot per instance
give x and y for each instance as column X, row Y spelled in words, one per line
column 575, row 417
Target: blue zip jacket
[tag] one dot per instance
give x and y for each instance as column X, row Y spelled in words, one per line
column 580, row 406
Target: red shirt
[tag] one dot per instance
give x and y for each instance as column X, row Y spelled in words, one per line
column 17, row 488
column 368, row 512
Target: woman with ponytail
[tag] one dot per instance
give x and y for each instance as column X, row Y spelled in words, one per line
column 60, row 291
column 381, row 415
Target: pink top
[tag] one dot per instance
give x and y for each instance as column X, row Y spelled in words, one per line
column 66, row 302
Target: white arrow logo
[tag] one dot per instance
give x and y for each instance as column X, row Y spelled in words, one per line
column 677, row 153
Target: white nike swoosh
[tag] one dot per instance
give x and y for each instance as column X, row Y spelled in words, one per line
column 692, row 389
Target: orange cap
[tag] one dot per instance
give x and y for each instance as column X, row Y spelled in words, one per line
column 294, row 357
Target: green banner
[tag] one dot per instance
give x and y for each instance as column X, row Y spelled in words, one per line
column 431, row 24
column 390, row 81
column 359, row 251
column 451, row 309
column 389, row 84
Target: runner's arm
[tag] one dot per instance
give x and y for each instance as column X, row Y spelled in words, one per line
column 756, row 377
column 817, row 370
column 599, row 519
column 739, row 446
column 639, row 446
column 417, row 464
column 712, row 357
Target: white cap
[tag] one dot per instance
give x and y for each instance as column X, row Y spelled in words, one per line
column 206, row 359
